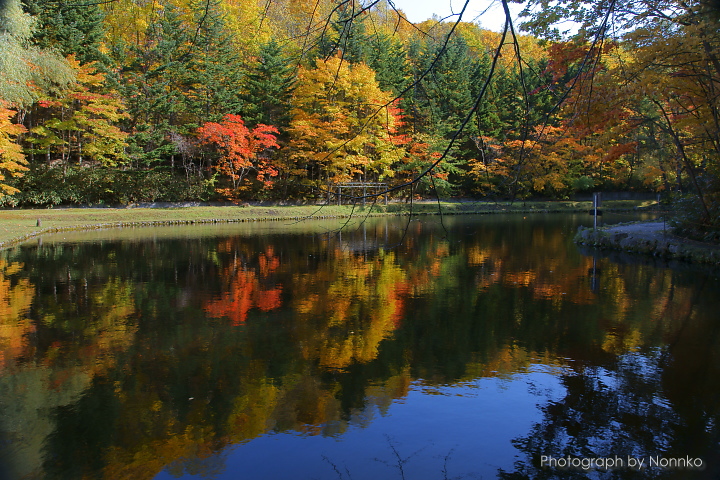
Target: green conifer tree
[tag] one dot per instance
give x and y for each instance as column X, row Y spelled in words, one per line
column 388, row 58
column 213, row 72
column 69, row 28
column 346, row 36
column 448, row 87
column 487, row 122
column 152, row 83
column 268, row 88
column 185, row 74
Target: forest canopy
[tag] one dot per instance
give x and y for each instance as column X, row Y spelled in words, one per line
column 130, row 101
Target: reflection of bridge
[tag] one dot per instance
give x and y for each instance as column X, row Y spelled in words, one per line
column 358, row 240
column 376, row 189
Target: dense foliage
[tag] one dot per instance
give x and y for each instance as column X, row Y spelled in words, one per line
column 355, row 93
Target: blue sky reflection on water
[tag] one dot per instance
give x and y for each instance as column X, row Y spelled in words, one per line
column 465, row 428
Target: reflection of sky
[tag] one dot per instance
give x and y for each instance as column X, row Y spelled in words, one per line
column 467, row 429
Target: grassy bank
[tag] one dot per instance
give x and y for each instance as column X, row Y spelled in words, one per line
column 19, row 225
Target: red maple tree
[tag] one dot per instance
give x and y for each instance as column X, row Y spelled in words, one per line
column 240, row 151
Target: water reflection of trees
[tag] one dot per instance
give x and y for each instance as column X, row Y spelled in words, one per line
column 604, row 414
column 644, row 402
column 54, row 338
column 185, row 346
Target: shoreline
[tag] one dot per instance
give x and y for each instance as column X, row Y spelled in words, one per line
column 21, row 225
column 651, row 239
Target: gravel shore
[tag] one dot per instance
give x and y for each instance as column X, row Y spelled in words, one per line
column 649, row 238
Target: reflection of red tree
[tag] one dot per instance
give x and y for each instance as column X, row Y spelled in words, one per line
column 245, row 292
column 269, row 299
column 269, row 262
column 236, row 303
column 397, row 297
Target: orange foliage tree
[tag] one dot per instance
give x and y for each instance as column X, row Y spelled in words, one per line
column 240, row 152
column 592, row 142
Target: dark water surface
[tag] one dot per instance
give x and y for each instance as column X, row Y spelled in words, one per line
column 491, row 348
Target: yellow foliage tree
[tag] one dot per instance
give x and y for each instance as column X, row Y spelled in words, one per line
column 12, row 160
column 81, row 122
column 680, row 76
column 342, row 124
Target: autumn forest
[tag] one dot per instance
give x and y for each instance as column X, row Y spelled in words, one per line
column 136, row 101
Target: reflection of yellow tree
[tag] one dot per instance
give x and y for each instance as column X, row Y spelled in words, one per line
column 397, row 386
column 549, row 274
column 360, row 307
column 60, row 374
column 662, row 316
column 506, row 361
column 16, row 295
column 152, row 438
column 99, row 321
column 252, row 412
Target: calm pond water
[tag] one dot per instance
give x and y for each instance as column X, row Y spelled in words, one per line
column 490, row 347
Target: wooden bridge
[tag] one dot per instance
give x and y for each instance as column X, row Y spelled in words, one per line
column 355, row 190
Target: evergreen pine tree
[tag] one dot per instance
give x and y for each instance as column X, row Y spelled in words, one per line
column 152, row 83
column 345, row 37
column 213, row 74
column 388, row 58
column 268, row 88
column 187, row 73
column 542, row 98
column 442, row 99
column 449, row 85
column 509, row 103
column 70, row 29
column 486, row 122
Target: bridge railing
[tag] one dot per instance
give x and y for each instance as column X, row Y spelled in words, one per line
column 354, row 190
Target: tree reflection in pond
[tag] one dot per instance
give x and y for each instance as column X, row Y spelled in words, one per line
column 127, row 358
column 658, row 403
